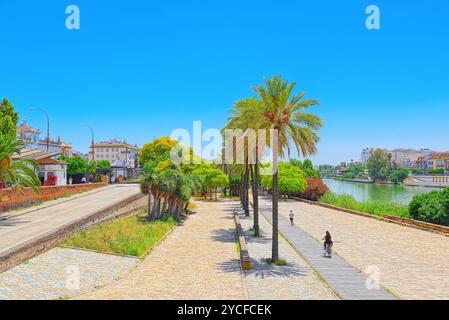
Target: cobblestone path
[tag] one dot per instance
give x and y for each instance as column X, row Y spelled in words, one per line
column 198, row 260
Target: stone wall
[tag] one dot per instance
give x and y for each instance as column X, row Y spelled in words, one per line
column 12, row 199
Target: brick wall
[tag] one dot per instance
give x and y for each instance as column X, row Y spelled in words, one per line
column 11, row 199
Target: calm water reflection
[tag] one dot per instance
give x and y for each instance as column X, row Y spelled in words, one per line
column 370, row 191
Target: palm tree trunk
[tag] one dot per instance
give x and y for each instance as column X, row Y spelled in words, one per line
column 149, row 202
column 255, row 199
column 242, row 194
column 154, row 208
column 164, row 206
column 246, row 207
column 275, row 237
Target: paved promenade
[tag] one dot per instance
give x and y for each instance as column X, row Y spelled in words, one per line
column 295, row 281
column 412, row 263
column 347, row 281
column 19, row 227
column 198, row 260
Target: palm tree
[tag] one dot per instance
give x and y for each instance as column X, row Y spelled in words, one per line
column 20, row 172
column 285, row 113
column 247, row 114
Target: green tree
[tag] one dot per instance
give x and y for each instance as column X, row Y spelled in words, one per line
column 287, row 114
column 307, row 167
column 291, row 179
column 18, row 173
column 399, row 175
column 8, row 118
column 75, row 165
column 379, row 165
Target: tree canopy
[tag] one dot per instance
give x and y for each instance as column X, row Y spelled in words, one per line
column 291, row 179
column 8, row 118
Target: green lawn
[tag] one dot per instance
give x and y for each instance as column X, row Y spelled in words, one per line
column 378, row 208
column 133, row 235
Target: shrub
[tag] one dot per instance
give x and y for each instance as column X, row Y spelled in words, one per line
column 316, row 188
column 431, row 207
column 436, row 171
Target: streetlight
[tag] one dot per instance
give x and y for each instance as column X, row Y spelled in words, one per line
column 93, row 150
column 48, row 124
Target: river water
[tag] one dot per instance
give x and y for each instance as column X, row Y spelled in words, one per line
column 370, row 191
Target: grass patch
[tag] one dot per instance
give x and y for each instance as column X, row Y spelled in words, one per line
column 374, row 207
column 278, row 262
column 132, row 236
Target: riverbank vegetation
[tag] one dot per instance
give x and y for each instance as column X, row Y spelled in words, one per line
column 133, row 235
column 374, row 207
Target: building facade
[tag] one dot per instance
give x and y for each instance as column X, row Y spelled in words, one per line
column 31, row 137
column 116, row 151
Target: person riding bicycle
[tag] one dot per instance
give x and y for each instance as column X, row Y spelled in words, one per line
column 328, row 240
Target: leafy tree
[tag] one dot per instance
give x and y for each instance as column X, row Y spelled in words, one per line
column 75, row 165
column 291, row 179
column 287, row 114
column 18, row 173
column 399, row 175
column 212, row 178
column 327, row 170
column 8, row 118
column 307, row 167
column 157, row 150
column 379, row 165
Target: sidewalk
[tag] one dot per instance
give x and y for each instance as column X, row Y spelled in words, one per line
column 198, row 261
column 348, row 282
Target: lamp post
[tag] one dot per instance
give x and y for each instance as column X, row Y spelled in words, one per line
column 48, row 124
column 93, row 150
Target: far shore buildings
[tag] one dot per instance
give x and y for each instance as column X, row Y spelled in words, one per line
column 423, row 159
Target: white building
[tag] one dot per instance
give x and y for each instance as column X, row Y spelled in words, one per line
column 115, row 150
column 51, row 171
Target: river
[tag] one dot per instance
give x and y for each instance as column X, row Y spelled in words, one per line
column 370, row 191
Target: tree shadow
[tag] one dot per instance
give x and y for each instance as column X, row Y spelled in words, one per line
column 224, row 235
column 261, row 269
column 10, row 221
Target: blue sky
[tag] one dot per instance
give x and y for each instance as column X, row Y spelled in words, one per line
column 140, row 69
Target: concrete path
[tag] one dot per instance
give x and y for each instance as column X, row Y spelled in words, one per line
column 347, row 281
column 19, row 227
column 198, row 261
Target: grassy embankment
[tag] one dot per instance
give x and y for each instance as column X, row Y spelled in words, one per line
column 378, row 207
column 132, row 235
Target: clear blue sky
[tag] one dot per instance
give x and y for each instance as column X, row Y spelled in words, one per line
column 139, row 69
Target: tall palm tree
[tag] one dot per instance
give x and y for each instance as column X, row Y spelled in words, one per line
column 285, row 113
column 20, row 172
column 248, row 114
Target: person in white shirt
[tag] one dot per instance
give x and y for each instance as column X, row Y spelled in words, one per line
column 291, row 215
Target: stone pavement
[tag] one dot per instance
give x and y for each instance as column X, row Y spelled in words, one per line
column 347, row 281
column 61, row 273
column 412, row 263
column 19, row 227
column 198, row 260
column 296, row 281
